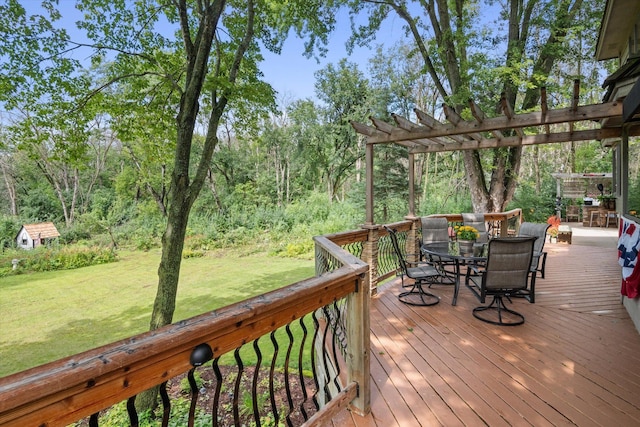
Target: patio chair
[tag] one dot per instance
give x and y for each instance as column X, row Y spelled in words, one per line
column 477, row 221
column 507, row 272
column 437, row 230
column 422, row 274
column 539, row 260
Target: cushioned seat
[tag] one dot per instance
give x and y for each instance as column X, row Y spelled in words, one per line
column 539, row 259
column 437, row 230
column 506, row 272
column 477, row 221
column 422, row 274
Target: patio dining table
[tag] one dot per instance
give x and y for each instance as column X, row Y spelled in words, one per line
column 450, row 252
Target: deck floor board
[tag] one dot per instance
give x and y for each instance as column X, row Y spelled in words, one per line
column 573, row 362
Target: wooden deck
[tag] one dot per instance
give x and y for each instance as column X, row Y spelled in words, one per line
column 575, row 361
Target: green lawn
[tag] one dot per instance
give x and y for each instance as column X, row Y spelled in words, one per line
column 46, row 316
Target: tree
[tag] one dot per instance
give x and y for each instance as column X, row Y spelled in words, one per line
column 215, row 66
column 464, row 60
column 345, row 94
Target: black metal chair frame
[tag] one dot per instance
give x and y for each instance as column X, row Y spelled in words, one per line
column 512, row 269
column 539, row 260
column 422, row 274
column 437, row 230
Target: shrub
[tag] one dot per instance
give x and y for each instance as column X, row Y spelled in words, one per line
column 65, row 258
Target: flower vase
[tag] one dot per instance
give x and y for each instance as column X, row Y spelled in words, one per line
column 466, row 246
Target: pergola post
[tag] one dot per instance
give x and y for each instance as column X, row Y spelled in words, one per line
column 412, row 240
column 369, row 184
column 370, row 250
column 412, row 176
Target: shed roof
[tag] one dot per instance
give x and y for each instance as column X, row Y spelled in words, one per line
column 43, row 230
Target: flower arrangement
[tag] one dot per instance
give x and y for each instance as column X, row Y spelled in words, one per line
column 554, row 222
column 466, row 232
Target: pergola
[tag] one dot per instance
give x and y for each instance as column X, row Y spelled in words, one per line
column 602, row 122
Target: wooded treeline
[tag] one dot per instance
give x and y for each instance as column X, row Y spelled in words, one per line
column 96, row 169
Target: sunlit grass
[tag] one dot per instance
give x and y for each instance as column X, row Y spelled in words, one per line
column 46, row 316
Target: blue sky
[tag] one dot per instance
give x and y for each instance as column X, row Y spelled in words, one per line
column 289, row 73
column 293, row 74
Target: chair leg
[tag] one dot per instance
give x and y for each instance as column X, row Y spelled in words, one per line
column 505, row 316
column 418, row 296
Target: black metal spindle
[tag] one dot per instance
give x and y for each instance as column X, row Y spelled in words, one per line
column 131, row 410
column 93, row 420
column 316, row 327
column 335, row 327
column 256, row 378
column 236, row 388
column 325, row 356
column 216, row 395
column 194, row 396
column 287, row 384
column 272, row 369
column 300, row 369
column 166, row 404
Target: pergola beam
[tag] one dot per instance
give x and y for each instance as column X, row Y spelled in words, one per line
column 479, row 115
column 508, row 112
column 434, row 129
column 556, row 137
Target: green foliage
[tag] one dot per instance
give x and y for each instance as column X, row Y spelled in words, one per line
column 593, row 157
column 40, row 205
column 117, row 416
column 59, row 258
column 535, row 207
column 9, row 227
column 191, row 253
column 74, row 234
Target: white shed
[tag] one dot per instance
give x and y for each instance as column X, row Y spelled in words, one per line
column 33, row 235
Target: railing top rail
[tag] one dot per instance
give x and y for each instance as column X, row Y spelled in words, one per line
column 488, row 216
column 340, row 254
column 77, row 386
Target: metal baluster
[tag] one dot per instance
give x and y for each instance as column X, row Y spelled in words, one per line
column 166, row 404
column 131, row 410
column 236, row 388
column 194, row 396
column 316, row 327
column 287, row 386
column 93, row 420
column 254, row 386
column 334, row 328
column 216, row 396
column 272, row 393
column 300, row 370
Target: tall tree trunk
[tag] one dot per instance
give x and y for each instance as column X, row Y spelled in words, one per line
column 10, row 184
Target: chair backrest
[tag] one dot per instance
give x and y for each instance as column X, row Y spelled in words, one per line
column 396, row 248
column 508, row 263
column 477, row 221
column 434, row 230
column 531, row 229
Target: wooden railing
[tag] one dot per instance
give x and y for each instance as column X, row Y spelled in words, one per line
column 334, row 304
column 373, row 244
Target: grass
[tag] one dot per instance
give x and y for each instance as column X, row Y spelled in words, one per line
column 46, row 316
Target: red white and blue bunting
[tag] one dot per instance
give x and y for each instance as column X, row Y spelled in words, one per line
column 628, row 247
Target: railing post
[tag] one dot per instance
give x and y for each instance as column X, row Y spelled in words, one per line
column 370, row 256
column 359, row 348
column 504, row 226
column 412, row 245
